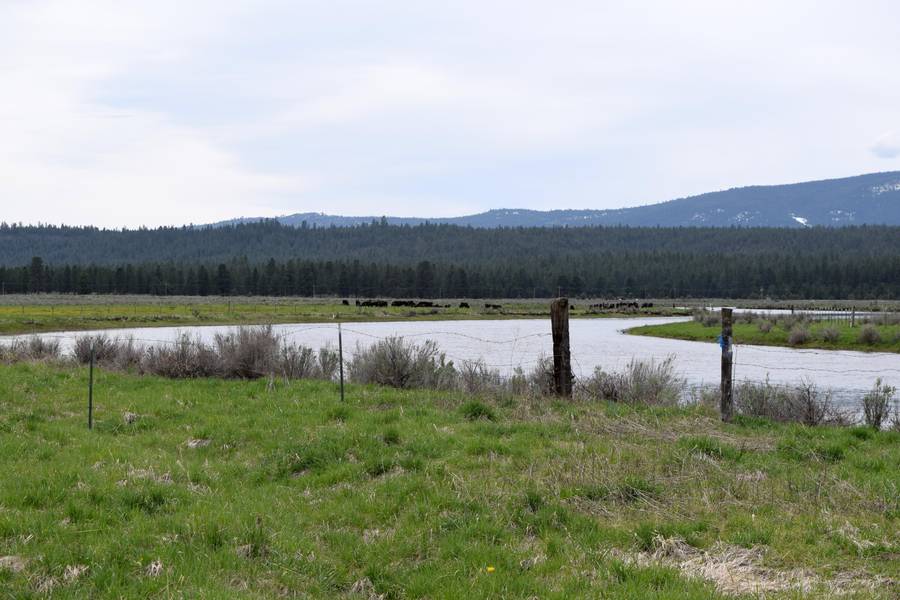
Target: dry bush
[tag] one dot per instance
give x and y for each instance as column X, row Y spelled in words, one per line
column 799, row 335
column 128, row 355
column 707, row 318
column 104, row 349
column 802, row 403
column 541, row 380
column 39, row 348
column 248, row 353
column 830, row 334
column 185, row 359
column 748, row 317
column 641, row 382
column 869, row 335
column 788, row 322
column 34, row 348
column 765, row 326
column 297, row 362
column 397, row 363
column 877, row 404
column 475, row 377
column 329, row 362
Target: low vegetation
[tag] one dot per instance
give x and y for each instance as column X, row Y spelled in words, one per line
column 273, row 488
column 258, row 352
column 44, row 313
column 871, row 333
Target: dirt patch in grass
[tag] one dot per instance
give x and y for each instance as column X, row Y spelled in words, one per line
column 735, row 570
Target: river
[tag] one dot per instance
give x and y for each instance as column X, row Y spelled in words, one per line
column 600, row 342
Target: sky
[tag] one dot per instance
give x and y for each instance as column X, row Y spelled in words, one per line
column 121, row 113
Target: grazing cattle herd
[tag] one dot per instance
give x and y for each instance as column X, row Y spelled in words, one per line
column 618, row 306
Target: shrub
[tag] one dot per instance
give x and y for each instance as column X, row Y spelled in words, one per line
column 869, row 335
column 764, row 326
column 799, row 335
column 788, row 322
column 248, row 353
column 541, row 379
column 473, row 410
column 104, row 349
column 35, row 348
column 877, row 404
column 185, row 359
column 297, row 362
column 648, row 383
column 748, row 317
column 127, row 355
column 38, row 348
column 401, row 364
column 707, row 318
column 830, row 334
column 475, row 377
column 802, row 403
column 329, row 363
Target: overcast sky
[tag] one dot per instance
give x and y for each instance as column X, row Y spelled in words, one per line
column 119, row 113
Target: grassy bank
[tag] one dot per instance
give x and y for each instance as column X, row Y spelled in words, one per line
column 208, row 488
column 840, row 336
column 37, row 314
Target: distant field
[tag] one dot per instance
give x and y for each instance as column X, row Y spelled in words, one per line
column 847, row 337
column 221, row 489
column 36, row 314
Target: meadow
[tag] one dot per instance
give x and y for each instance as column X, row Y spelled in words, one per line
column 46, row 313
column 880, row 335
column 212, row 488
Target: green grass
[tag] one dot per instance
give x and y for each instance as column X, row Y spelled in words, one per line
column 35, row 314
column 749, row 333
column 419, row 493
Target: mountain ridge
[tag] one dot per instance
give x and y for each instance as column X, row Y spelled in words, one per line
column 869, row 199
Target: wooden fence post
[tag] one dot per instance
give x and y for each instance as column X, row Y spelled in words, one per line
column 562, row 358
column 91, row 389
column 725, row 341
column 341, row 359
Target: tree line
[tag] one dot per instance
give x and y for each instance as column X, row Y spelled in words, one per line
column 630, row 274
column 407, row 245
column 434, row 261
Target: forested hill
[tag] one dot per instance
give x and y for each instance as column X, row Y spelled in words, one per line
column 449, row 261
column 864, row 199
column 438, row 243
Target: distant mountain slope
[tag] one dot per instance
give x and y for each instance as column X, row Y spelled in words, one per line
column 864, row 199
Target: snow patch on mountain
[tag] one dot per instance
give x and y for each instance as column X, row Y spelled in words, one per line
column 842, row 216
column 803, row 221
column 884, row 188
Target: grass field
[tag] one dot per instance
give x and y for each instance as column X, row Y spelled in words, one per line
column 749, row 333
column 37, row 314
column 215, row 489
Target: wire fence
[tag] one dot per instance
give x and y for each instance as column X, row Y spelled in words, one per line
column 505, row 354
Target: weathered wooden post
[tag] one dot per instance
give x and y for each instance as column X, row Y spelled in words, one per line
column 341, row 359
column 725, row 341
column 562, row 358
column 91, row 389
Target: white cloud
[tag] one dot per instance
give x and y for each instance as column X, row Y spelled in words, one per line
column 67, row 157
column 887, row 146
column 167, row 112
